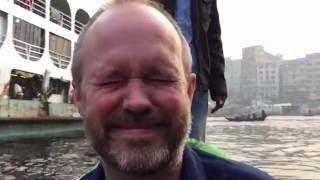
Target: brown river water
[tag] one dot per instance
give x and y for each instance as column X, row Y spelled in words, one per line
column 285, row 147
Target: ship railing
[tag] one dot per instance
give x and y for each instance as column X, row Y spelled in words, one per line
column 36, row 6
column 28, row 51
column 60, row 60
column 60, row 18
column 78, row 26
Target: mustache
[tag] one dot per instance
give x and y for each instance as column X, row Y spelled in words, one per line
column 128, row 120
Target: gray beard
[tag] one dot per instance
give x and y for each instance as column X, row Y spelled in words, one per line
column 142, row 158
column 142, row 161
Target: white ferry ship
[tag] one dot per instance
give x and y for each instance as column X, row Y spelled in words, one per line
column 36, row 42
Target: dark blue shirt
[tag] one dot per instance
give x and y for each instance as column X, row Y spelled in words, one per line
column 199, row 165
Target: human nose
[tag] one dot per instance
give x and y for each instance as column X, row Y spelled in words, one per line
column 137, row 99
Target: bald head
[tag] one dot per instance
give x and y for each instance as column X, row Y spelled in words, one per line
column 128, row 21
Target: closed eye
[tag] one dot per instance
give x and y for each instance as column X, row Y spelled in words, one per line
column 110, row 83
column 162, row 80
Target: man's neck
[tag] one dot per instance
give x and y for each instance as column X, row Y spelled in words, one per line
column 170, row 172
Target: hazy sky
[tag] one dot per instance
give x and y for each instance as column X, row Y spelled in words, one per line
column 287, row 27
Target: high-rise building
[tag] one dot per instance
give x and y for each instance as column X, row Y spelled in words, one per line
column 300, row 79
column 259, row 75
column 233, row 74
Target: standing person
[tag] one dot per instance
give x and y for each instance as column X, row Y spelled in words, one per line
column 5, row 90
column 33, row 88
column 17, row 90
column 133, row 86
column 263, row 114
column 199, row 22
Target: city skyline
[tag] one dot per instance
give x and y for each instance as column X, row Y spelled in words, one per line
column 261, row 75
column 272, row 53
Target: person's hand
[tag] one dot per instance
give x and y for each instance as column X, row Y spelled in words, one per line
column 219, row 103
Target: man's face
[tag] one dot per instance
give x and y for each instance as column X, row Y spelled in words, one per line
column 134, row 95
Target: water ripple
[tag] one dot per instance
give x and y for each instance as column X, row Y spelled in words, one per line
column 287, row 148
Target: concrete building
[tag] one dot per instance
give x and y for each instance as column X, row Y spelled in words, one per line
column 268, row 77
column 259, row 75
column 300, row 80
column 233, row 74
column 261, row 80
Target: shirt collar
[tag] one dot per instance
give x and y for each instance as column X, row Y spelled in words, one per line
column 192, row 168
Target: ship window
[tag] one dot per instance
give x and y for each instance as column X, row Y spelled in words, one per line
column 3, row 27
column 36, row 6
column 59, row 87
column 60, row 51
column 82, row 19
column 60, row 13
column 25, row 85
column 28, row 39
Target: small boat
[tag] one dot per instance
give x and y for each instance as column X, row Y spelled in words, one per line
column 249, row 117
column 240, row 119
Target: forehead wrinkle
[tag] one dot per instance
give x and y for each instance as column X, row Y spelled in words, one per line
column 157, row 56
